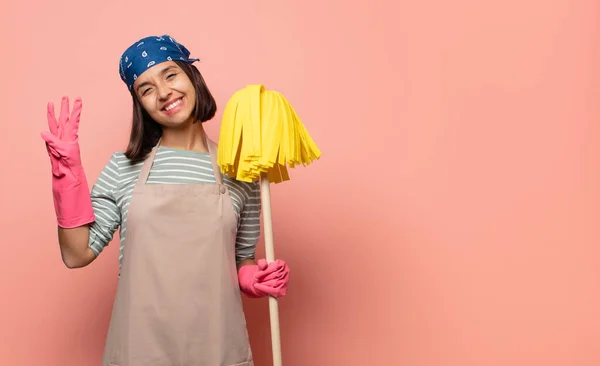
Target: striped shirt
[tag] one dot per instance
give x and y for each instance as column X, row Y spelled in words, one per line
column 112, row 192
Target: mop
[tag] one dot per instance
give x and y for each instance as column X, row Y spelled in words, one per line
column 261, row 137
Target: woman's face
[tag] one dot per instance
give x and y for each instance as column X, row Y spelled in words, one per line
column 167, row 94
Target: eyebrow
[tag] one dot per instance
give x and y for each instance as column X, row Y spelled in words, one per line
column 162, row 72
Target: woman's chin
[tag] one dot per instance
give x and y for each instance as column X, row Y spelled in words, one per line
column 176, row 123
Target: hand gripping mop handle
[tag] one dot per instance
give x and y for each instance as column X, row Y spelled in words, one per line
column 265, row 196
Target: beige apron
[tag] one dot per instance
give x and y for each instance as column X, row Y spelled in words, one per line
column 178, row 301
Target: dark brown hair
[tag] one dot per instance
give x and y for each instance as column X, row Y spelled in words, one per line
column 145, row 132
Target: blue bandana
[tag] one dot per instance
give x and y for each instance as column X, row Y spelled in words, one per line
column 148, row 52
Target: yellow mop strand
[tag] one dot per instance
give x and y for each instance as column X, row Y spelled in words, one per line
column 261, row 133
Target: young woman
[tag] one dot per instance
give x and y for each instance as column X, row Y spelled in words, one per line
column 187, row 233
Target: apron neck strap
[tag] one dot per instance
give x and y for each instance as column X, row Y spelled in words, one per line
column 212, row 149
column 147, row 166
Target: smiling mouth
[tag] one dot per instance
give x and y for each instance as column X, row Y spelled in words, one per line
column 173, row 105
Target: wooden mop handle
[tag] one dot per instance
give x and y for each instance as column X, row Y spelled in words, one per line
column 265, row 196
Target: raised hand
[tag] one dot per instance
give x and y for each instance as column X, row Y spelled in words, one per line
column 69, row 184
column 62, row 142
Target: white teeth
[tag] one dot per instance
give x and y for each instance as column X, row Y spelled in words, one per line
column 175, row 104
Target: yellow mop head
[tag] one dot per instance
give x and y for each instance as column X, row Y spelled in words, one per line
column 261, row 133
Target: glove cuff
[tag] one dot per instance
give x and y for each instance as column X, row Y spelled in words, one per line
column 246, row 281
column 72, row 201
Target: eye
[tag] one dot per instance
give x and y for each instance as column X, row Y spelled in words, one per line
column 146, row 91
column 170, row 76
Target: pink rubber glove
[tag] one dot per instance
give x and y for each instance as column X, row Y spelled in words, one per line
column 262, row 279
column 72, row 201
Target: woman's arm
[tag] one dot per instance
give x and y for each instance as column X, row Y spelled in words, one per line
column 249, row 225
column 79, row 246
column 72, row 201
column 74, row 248
column 245, row 262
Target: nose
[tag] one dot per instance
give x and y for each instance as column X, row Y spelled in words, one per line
column 163, row 91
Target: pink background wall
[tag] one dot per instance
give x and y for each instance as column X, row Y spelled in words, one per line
column 451, row 221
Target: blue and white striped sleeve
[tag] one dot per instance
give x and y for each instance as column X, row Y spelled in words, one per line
column 249, row 225
column 104, row 203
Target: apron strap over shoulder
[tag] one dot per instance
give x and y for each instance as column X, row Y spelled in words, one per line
column 147, row 166
column 212, row 148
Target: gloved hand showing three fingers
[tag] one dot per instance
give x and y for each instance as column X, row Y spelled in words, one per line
column 72, row 201
column 264, row 279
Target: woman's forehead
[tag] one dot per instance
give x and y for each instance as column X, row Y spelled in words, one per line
column 155, row 71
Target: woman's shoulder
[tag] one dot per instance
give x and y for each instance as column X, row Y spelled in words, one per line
column 119, row 162
column 250, row 188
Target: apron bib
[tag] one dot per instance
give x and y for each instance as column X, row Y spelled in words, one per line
column 178, row 301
